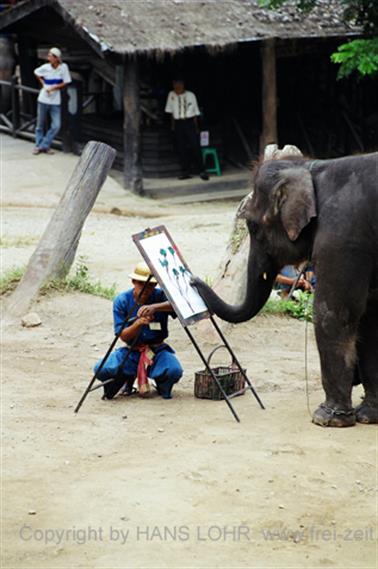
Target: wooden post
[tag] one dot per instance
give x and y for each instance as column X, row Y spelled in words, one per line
column 132, row 164
column 269, row 95
column 28, row 61
column 65, row 126
column 57, row 247
column 7, row 65
column 15, row 97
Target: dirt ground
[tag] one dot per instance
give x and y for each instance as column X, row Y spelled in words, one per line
column 152, row 484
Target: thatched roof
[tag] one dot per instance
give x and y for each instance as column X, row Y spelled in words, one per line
column 142, row 26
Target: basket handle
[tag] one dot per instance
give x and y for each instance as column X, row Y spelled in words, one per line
column 213, row 352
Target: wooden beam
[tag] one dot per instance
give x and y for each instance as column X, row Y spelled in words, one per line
column 56, row 249
column 243, row 139
column 105, row 69
column 24, row 9
column 10, row 18
column 66, row 134
column 28, row 61
column 354, row 131
column 15, row 97
column 269, row 95
column 132, row 162
column 7, row 66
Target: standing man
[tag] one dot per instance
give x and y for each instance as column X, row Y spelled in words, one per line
column 183, row 107
column 145, row 353
column 53, row 76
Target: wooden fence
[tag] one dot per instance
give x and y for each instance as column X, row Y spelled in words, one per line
column 20, row 124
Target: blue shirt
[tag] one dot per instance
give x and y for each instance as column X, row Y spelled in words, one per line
column 125, row 304
column 292, row 272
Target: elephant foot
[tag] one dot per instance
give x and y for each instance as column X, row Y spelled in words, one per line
column 367, row 412
column 329, row 417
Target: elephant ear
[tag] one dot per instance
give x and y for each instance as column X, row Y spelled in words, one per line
column 294, row 199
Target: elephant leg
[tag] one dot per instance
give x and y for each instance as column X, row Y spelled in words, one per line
column 338, row 310
column 367, row 348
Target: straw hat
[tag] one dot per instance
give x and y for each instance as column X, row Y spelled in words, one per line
column 141, row 273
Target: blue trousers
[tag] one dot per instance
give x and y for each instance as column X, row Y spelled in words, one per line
column 166, row 370
column 43, row 141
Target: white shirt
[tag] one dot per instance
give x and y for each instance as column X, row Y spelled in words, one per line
column 52, row 76
column 182, row 106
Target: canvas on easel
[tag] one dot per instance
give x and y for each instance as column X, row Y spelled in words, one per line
column 167, row 264
column 172, row 273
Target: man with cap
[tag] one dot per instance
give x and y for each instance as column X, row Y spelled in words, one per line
column 183, row 107
column 53, row 76
column 146, row 353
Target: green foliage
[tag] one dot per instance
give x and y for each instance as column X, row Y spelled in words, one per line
column 209, row 280
column 6, row 242
column 301, row 307
column 80, row 281
column 357, row 55
column 10, row 279
column 239, row 232
column 305, row 5
column 363, row 13
column 360, row 55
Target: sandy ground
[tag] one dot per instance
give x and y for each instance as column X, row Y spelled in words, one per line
column 150, row 483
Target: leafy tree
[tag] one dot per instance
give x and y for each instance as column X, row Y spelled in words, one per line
column 359, row 55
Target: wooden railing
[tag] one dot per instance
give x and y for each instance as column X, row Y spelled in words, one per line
column 22, row 125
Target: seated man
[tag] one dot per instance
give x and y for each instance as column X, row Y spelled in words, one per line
column 147, row 327
column 288, row 276
column 310, row 276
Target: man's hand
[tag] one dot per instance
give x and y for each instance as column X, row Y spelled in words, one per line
column 40, row 81
column 129, row 333
column 147, row 311
column 144, row 320
column 303, row 284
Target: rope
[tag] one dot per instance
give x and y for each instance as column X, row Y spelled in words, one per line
column 306, row 367
column 306, row 356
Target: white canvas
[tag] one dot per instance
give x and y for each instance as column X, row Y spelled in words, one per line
column 172, row 272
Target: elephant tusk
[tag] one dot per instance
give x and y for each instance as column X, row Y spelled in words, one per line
column 265, row 276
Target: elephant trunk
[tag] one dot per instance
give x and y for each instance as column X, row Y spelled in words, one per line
column 261, row 276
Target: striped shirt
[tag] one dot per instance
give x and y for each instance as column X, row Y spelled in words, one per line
column 52, row 76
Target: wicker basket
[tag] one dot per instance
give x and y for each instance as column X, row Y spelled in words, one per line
column 230, row 377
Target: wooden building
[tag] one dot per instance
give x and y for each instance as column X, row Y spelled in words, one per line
column 260, row 76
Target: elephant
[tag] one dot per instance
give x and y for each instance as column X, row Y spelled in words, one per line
column 325, row 211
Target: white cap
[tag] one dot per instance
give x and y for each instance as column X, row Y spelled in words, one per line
column 56, row 51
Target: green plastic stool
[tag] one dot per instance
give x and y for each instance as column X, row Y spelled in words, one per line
column 211, row 151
